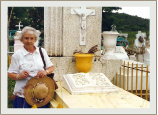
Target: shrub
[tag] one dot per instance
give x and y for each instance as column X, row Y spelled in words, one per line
column 11, row 84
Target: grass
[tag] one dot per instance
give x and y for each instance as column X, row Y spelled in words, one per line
column 11, row 84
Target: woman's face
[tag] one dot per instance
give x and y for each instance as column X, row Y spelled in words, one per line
column 29, row 39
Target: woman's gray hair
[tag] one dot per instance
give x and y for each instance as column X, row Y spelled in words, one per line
column 26, row 29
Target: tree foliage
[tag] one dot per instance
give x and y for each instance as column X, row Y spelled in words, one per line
column 107, row 18
column 110, row 9
column 125, row 22
column 28, row 16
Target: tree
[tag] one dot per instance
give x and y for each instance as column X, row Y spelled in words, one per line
column 28, row 16
column 107, row 18
column 110, row 9
column 135, row 28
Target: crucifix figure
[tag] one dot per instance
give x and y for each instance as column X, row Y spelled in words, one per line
column 19, row 26
column 83, row 13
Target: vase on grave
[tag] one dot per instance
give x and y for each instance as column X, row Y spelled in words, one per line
column 83, row 62
column 109, row 42
column 140, row 57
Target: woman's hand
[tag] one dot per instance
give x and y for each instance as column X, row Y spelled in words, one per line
column 41, row 74
column 23, row 75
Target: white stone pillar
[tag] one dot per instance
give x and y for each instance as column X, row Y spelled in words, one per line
column 53, row 31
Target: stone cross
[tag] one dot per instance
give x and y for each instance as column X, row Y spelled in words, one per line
column 19, row 26
column 83, row 13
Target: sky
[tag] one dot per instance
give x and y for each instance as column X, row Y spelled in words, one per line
column 143, row 12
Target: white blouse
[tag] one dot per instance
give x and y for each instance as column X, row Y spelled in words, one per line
column 22, row 60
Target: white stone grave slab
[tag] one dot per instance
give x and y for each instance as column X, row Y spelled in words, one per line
column 84, row 83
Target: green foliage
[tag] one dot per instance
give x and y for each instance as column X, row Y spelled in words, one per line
column 11, row 84
column 107, row 18
column 110, row 9
column 125, row 22
column 28, row 16
column 11, row 42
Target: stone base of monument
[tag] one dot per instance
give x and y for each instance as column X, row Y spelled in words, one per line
column 110, row 56
column 117, row 53
column 17, row 47
column 17, row 44
column 85, row 83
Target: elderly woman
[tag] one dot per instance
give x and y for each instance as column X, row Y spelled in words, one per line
column 27, row 63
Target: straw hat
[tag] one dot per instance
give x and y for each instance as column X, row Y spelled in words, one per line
column 39, row 91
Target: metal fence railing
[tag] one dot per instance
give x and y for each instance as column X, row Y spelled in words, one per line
column 134, row 79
